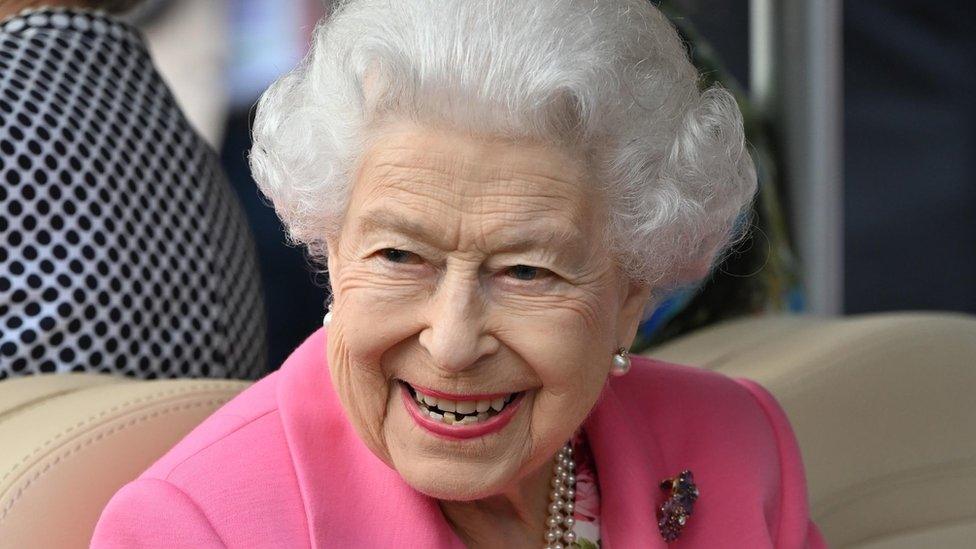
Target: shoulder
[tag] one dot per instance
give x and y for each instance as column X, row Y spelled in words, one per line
column 245, row 417
column 695, row 413
column 735, row 437
column 153, row 513
column 674, row 395
column 215, row 485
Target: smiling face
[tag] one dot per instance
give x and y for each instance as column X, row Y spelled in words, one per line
column 476, row 271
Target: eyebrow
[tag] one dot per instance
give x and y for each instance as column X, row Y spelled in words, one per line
column 384, row 220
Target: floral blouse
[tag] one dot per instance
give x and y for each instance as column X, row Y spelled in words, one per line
column 587, row 512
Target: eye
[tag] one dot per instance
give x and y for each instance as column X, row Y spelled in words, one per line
column 526, row 272
column 394, row 255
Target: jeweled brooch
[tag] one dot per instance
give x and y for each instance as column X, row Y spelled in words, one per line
column 673, row 514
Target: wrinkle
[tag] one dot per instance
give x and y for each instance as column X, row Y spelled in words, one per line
column 454, row 318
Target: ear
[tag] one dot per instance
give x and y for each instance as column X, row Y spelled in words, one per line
column 635, row 297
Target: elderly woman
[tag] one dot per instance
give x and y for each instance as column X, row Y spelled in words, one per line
column 499, row 190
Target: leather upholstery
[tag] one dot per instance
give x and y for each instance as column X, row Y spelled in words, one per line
column 68, row 442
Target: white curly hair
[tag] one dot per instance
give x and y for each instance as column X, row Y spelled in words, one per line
column 610, row 78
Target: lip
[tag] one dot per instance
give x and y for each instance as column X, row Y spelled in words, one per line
column 460, row 432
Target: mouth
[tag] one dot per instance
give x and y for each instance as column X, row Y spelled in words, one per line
column 459, row 416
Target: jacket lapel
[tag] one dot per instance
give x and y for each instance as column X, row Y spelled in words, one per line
column 628, row 472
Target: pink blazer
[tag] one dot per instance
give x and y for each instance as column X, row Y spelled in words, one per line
column 280, row 466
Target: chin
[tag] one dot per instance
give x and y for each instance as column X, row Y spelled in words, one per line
column 455, row 480
column 456, row 470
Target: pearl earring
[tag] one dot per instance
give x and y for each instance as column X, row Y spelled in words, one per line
column 621, row 362
column 327, row 319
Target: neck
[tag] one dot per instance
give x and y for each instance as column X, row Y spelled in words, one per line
column 10, row 8
column 514, row 518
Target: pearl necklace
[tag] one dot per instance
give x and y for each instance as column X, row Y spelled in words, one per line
column 562, row 501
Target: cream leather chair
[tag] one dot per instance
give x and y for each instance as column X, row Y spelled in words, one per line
column 883, row 407
column 68, row 442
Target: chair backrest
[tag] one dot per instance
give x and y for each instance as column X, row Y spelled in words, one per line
column 68, row 442
column 884, row 410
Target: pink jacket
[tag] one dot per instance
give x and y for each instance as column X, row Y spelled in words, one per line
column 280, row 466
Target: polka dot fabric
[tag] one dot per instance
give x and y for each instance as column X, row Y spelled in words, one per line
column 122, row 247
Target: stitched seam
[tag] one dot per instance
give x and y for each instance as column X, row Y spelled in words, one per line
column 31, row 405
column 218, row 439
column 41, row 400
column 103, row 413
column 195, row 504
column 85, row 443
column 747, row 383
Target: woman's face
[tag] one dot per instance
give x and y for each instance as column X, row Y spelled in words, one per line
column 475, row 273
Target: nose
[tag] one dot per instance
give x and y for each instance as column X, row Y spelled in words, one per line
column 455, row 336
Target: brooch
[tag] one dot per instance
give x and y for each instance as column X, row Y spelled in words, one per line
column 674, row 513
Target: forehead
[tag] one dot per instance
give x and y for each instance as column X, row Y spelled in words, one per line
column 438, row 177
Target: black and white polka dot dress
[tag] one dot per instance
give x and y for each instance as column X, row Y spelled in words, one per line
column 122, row 247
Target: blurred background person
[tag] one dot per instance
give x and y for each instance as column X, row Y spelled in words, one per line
column 122, row 247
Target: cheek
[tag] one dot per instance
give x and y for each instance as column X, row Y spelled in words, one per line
column 361, row 386
column 568, row 347
column 376, row 313
column 571, row 386
column 573, row 368
column 569, row 335
column 358, row 341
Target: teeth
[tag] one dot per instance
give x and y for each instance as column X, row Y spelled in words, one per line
column 446, row 405
column 466, row 406
column 461, row 412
